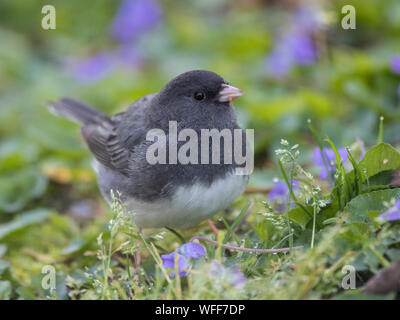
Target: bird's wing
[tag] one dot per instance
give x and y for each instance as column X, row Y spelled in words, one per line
column 112, row 141
column 104, row 143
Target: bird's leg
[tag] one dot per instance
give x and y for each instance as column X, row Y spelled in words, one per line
column 213, row 228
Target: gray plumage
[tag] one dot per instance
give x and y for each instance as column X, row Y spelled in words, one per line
column 119, row 142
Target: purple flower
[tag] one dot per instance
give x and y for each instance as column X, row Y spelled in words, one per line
column 128, row 56
column 185, row 251
column 395, row 64
column 192, row 250
column 330, row 159
column 232, row 275
column 293, row 48
column 91, row 69
column 279, row 194
column 169, row 262
column 278, row 63
column 135, row 17
column 310, row 18
column 393, row 213
column 280, row 191
column 302, row 48
column 295, row 45
column 99, row 66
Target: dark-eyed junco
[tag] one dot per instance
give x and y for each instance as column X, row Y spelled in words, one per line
column 175, row 194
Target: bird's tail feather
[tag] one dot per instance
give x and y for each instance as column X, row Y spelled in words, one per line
column 77, row 111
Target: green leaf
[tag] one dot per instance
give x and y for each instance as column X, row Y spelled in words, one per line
column 5, row 290
column 236, row 223
column 50, row 133
column 24, row 220
column 299, row 216
column 73, row 247
column 372, row 215
column 264, row 230
column 3, row 250
column 16, row 153
column 17, row 188
column 381, row 179
column 382, row 157
column 361, row 206
column 357, row 232
column 4, row 266
column 25, row 293
column 373, row 172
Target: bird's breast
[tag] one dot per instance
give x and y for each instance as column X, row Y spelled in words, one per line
column 188, row 204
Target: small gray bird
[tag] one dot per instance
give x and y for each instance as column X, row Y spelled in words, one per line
column 164, row 195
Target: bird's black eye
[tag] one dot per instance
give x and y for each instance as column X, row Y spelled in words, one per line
column 199, row 95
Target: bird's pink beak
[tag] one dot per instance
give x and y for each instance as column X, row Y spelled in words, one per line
column 229, row 93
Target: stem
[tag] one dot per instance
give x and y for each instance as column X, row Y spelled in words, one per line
column 177, row 234
column 255, row 190
column 283, row 239
column 380, row 257
column 285, row 177
column 248, row 212
column 234, row 248
column 288, row 222
column 106, row 267
column 380, row 135
column 321, row 150
column 289, row 185
column 313, row 227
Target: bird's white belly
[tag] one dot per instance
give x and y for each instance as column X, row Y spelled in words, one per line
column 189, row 205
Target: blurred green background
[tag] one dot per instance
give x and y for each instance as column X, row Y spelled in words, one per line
column 341, row 80
column 292, row 58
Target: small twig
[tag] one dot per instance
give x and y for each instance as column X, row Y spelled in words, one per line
column 213, row 228
column 234, row 248
column 64, row 261
column 257, row 190
column 248, row 212
column 38, row 256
